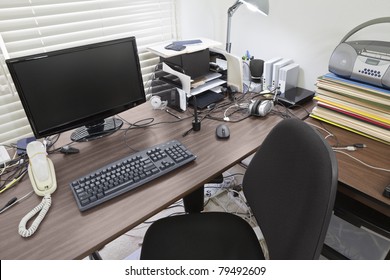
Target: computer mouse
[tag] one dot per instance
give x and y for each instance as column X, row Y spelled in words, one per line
column 222, row 131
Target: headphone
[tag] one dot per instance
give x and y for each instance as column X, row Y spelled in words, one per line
column 260, row 108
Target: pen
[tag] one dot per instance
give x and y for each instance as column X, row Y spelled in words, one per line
column 13, row 201
column 9, row 203
column 172, row 114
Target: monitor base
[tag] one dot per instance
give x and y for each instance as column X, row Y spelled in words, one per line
column 97, row 130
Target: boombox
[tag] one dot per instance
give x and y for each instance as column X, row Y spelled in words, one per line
column 365, row 61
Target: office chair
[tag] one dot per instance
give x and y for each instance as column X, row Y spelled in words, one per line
column 290, row 186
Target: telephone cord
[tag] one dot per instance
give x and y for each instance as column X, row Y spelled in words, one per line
column 42, row 208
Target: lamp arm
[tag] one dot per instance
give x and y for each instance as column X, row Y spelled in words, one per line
column 234, row 8
column 230, row 13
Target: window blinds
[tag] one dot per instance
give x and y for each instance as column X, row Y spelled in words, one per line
column 35, row 26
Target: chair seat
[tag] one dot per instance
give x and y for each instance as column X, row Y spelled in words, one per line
column 184, row 237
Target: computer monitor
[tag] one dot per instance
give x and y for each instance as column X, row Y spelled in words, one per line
column 79, row 87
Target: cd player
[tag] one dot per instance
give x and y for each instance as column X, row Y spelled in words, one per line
column 365, row 61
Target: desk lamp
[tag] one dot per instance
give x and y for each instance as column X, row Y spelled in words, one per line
column 261, row 6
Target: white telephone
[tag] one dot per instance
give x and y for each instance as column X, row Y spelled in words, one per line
column 43, row 179
column 40, row 169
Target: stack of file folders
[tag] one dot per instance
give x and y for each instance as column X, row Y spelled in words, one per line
column 354, row 106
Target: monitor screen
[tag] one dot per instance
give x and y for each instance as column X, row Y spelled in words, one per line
column 80, row 86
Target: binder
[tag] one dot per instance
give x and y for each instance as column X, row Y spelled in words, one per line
column 267, row 74
column 288, row 77
column 276, row 68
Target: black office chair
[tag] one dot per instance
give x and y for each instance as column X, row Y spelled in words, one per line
column 290, row 185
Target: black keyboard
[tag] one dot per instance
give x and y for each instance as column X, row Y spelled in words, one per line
column 129, row 173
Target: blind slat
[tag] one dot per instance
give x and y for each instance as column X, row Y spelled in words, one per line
column 35, row 26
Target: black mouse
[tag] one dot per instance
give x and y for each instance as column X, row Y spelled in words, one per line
column 222, row 131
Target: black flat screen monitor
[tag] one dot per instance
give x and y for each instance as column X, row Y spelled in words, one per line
column 79, row 87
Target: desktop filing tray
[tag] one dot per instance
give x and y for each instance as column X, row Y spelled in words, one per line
column 169, row 92
column 177, row 71
column 175, row 87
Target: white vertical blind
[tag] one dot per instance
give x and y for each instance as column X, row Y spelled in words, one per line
column 36, row 26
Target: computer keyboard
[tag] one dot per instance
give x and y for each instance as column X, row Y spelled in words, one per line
column 129, row 173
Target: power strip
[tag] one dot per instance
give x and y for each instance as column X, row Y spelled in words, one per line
column 212, row 190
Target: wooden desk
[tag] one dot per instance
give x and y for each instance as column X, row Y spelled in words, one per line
column 66, row 233
column 359, row 199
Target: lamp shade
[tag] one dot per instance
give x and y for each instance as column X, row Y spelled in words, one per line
column 261, row 6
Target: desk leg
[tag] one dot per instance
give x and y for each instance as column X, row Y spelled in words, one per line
column 194, row 202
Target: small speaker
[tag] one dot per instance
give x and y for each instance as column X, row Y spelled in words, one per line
column 256, row 67
column 342, row 60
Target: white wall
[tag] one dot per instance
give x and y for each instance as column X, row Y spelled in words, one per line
column 305, row 30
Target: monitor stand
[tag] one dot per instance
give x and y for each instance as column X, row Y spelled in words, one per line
column 96, row 130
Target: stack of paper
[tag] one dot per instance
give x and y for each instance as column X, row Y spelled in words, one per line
column 354, row 106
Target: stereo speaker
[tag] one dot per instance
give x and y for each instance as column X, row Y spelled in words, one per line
column 256, row 67
column 342, row 60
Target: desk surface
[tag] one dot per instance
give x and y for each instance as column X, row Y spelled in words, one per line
column 66, row 233
column 357, row 181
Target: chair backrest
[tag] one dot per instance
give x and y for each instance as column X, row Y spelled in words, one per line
column 290, row 185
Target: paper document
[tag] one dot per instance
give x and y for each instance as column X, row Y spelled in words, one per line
column 209, row 85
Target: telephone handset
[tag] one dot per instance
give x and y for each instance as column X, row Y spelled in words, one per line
column 43, row 179
column 40, row 169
